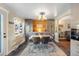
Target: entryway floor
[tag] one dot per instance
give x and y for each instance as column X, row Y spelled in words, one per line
column 64, row 44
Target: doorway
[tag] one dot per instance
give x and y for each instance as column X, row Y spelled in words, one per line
column 64, row 29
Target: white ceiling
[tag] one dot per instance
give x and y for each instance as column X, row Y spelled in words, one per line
column 30, row 10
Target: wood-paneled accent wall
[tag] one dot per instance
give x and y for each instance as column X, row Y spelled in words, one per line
column 39, row 25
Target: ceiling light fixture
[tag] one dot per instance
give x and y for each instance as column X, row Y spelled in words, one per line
column 41, row 10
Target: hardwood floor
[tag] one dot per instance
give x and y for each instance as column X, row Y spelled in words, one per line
column 64, row 44
column 19, row 50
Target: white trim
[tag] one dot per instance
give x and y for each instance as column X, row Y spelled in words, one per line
column 2, row 44
column 67, row 13
column 1, row 34
column 4, row 9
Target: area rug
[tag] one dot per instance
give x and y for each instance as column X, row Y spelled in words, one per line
column 42, row 50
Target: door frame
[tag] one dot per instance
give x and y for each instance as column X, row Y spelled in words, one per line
column 2, row 39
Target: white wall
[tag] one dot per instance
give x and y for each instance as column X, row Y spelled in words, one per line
column 14, row 39
column 50, row 25
column 28, row 25
column 75, row 15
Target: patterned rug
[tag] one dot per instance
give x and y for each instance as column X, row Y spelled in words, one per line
column 42, row 50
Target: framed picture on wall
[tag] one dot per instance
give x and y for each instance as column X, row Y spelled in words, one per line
column 20, row 28
column 16, row 28
column 68, row 26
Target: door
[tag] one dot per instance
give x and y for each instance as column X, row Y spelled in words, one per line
column 1, row 34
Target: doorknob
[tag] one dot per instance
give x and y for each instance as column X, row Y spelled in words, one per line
column 4, row 35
